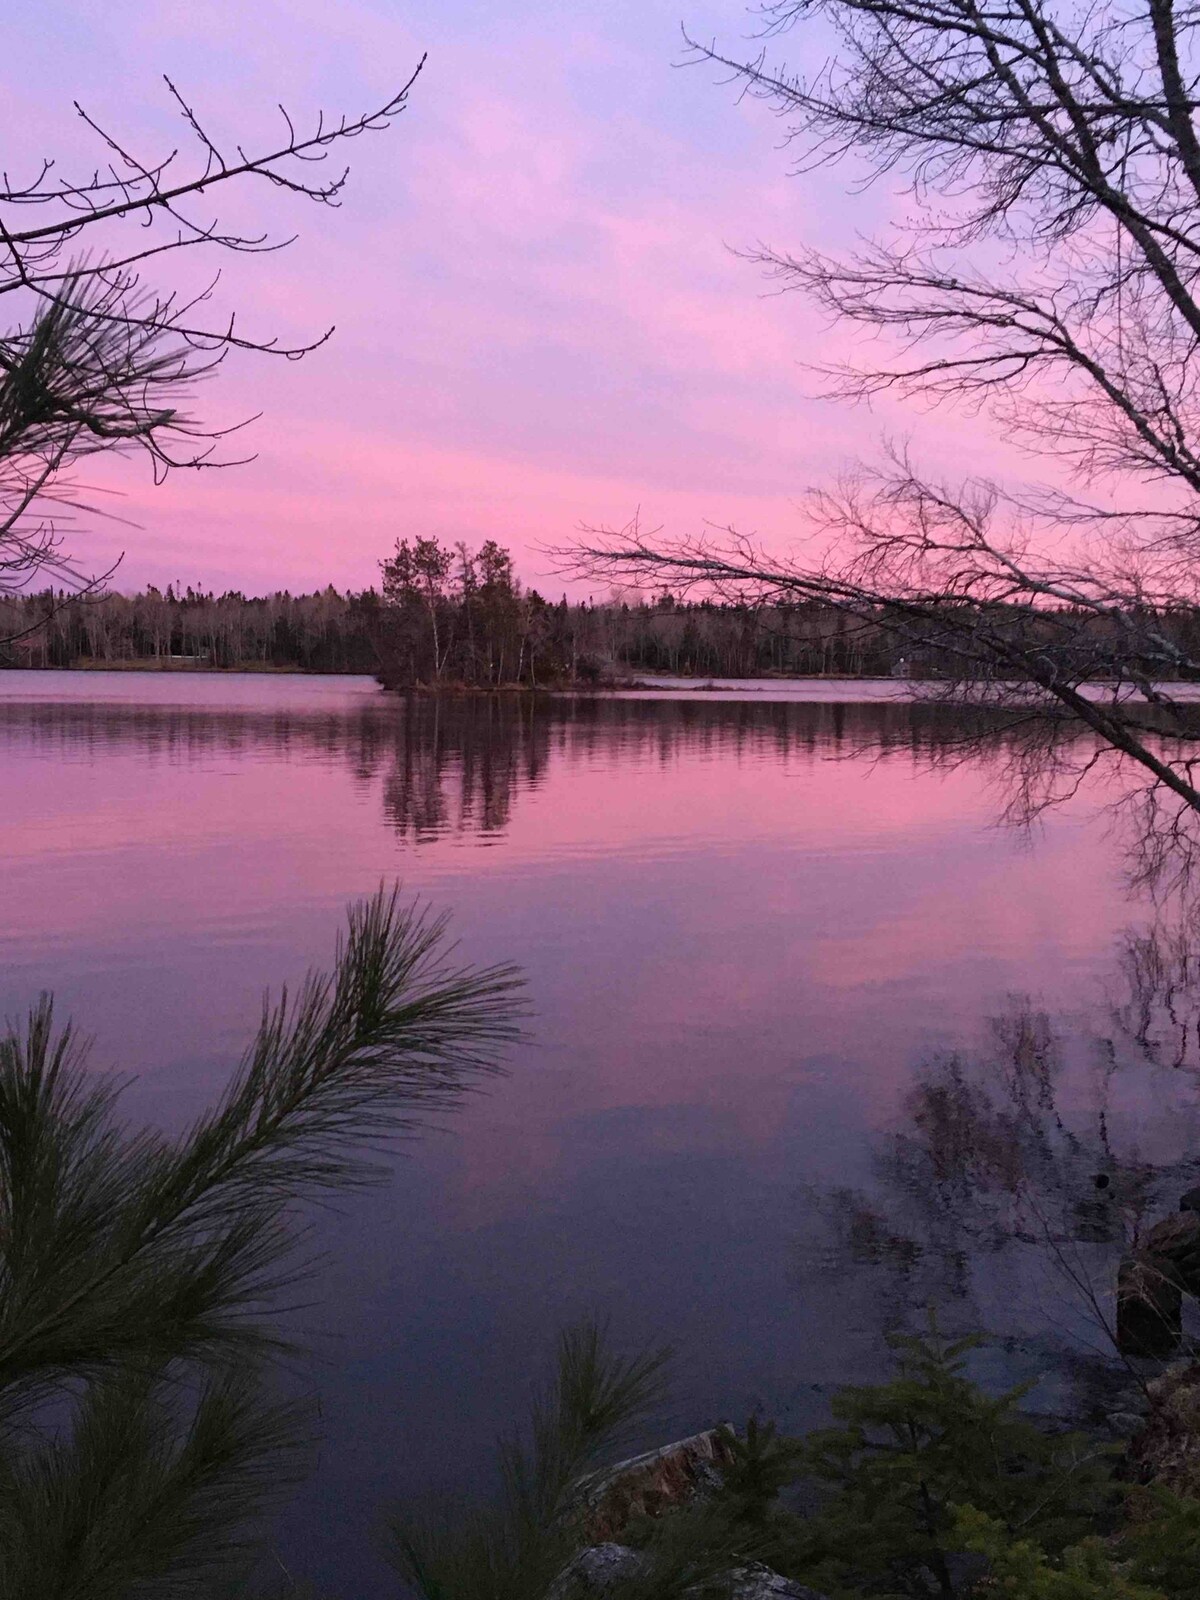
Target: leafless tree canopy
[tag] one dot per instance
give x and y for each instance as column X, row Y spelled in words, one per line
column 98, row 356
column 1040, row 272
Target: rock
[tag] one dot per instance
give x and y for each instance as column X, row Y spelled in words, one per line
column 1177, row 1242
column 1149, row 1307
column 1152, row 1281
column 596, row 1571
column 1167, row 1450
column 601, row 1568
column 1176, row 1239
column 647, row 1485
column 755, row 1582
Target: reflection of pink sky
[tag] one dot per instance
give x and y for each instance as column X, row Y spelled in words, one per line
column 850, row 968
column 730, row 936
column 539, row 322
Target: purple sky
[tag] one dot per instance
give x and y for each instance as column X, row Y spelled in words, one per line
column 540, row 322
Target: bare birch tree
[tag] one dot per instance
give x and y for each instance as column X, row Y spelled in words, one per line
column 1040, row 274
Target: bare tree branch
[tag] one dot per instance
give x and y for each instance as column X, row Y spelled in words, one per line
column 97, row 359
column 1041, row 274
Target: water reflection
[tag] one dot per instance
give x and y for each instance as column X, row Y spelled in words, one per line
column 755, row 968
column 1017, row 1175
column 1159, row 1004
column 460, row 765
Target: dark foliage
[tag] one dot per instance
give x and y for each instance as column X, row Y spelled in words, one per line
column 925, row 1488
column 492, row 632
column 513, row 1548
column 140, row 1275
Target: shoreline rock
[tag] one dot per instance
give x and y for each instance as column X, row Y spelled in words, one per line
column 602, row 1568
column 646, row 1485
column 1166, row 1451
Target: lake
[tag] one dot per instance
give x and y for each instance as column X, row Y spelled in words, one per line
column 815, row 1041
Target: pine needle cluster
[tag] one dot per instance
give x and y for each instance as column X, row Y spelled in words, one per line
column 520, row 1544
column 141, row 1433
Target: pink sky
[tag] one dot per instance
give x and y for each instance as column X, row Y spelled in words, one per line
column 540, row 322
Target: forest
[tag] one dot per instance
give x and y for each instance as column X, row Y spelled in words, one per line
column 440, row 617
column 445, row 617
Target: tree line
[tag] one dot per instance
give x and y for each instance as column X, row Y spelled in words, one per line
column 452, row 617
column 321, row 632
column 441, row 617
column 477, row 626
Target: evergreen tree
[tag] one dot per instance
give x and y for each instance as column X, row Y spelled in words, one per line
column 905, row 1456
column 140, row 1276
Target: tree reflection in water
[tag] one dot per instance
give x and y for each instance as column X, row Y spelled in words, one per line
column 460, row 764
column 1017, row 1174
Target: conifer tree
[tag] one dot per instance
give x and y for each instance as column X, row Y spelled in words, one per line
column 141, row 1434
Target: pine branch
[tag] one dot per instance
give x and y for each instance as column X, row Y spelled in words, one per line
column 512, row 1549
column 139, row 1275
column 150, row 1494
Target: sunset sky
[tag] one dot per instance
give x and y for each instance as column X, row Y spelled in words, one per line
column 540, row 321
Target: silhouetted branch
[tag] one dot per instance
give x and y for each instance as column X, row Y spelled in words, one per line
column 1040, row 271
column 100, row 360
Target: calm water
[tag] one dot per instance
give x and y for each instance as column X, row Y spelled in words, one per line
column 815, row 1041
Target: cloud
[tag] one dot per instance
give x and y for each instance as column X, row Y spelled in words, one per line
column 540, row 321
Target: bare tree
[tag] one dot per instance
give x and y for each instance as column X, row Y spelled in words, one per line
column 1041, row 274
column 98, row 359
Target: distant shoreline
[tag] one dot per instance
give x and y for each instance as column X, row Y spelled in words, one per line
column 164, row 664
column 776, row 686
column 646, row 680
